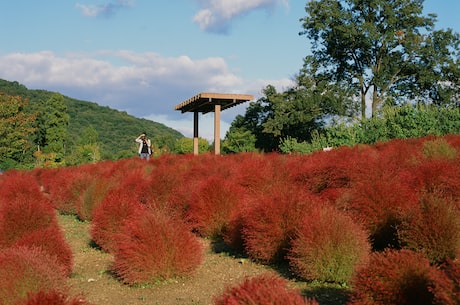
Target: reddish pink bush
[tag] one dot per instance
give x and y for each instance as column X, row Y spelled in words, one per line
column 401, row 277
column 433, row 229
column 269, row 221
column 328, row 246
column 265, row 289
column 25, row 270
column 52, row 297
column 50, row 240
column 63, row 186
column 255, row 172
column 452, row 269
column 23, row 209
column 154, row 246
column 379, row 199
column 92, row 197
column 437, row 176
column 213, row 203
column 110, row 215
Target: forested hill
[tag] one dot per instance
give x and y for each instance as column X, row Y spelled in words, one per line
column 116, row 129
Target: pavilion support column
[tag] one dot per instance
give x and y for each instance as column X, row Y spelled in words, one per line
column 195, row 132
column 217, row 108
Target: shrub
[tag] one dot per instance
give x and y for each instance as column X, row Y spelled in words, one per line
column 265, row 289
column 269, row 221
column 52, row 297
column 400, row 277
column 433, row 229
column 26, row 270
column 452, row 269
column 256, row 172
column 92, row 197
column 153, row 246
column 212, row 205
column 328, row 246
column 439, row 148
column 64, row 186
column 23, row 209
column 379, row 199
column 437, row 176
column 109, row 217
column 50, row 240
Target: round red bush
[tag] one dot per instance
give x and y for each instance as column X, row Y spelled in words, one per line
column 154, row 246
column 213, row 203
column 52, row 241
column 269, row 221
column 109, row 217
column 433, row 229
column 23, row 208
column 25, row 270
column 401, row 277
column 52, row 297
column 328, row 246
column 265, row 289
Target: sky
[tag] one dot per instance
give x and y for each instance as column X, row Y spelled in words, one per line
column 146, row 56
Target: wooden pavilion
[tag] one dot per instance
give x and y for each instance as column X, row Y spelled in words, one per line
column 210, row 102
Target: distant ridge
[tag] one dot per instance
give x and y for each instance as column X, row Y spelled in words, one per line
column 116, row 129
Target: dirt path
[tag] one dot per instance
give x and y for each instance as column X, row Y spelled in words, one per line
column 92, row 277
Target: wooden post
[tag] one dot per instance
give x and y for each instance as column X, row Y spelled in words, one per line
column 195, row 132
column 217, row 108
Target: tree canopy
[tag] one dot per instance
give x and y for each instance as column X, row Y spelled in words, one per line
column 385, row 49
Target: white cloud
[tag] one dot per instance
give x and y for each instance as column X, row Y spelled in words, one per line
column 106, row 9
column 217, row 15
column 145, row 85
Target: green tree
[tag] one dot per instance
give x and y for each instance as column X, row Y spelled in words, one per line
column 15, row 131
column 386, row 50
column 185, row 146
column 87, row 150
column 52, row 126
column 238, row 140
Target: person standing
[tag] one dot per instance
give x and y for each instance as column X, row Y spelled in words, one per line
column 145, row 146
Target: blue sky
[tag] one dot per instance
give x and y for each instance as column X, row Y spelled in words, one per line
column 146, row 56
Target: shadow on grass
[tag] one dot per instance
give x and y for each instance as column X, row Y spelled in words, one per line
column 324, row 293
column 327, row 294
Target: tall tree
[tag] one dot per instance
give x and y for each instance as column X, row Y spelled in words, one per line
column 386, row 50
column 15, row 130
column 52, row 127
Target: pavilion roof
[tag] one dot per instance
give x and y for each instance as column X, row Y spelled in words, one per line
column 204, row 102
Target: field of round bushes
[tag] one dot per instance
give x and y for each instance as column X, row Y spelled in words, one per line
column 383, row 220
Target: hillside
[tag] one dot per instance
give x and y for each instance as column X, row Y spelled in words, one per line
column 116, row 129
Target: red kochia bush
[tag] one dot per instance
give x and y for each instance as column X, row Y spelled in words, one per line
column 452, row 269
column 265, row 289
column 401, row 277
column 328, row 246
column 269, row 221
column 155, row 246
column 379, row 199
column 52, row 241
column 110, row 216
column 26, row 270
column 213, row 204
column 52, row 297
column 23, row 209
column 64, row 185
column 433, row 229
